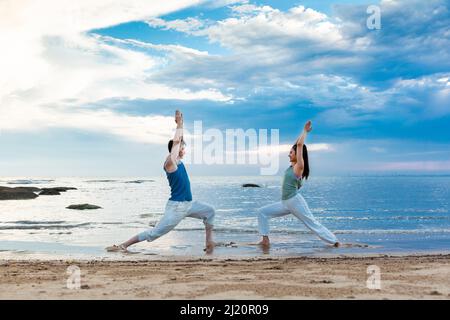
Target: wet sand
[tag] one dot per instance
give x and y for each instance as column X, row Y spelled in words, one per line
column 402, row 277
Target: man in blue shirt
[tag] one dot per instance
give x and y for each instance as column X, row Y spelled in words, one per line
column 180, row 204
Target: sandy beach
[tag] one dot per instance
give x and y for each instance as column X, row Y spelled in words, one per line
column 402, row 277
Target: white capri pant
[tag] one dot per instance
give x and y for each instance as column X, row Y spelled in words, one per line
column 299, row 208
column 175, row 212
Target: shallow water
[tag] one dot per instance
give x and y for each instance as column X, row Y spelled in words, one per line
column 389, row 214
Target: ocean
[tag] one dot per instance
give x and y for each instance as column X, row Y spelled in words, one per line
column 382, row 214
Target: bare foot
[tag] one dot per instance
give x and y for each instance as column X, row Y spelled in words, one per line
column 114, row 248
column 264, row 243
column 209, row 248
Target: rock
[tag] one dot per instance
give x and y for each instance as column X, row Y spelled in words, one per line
column 62, row 189
column 49, row 192
column 139, row 181
column 7, row 193
column 84, row 206
column 28, row 189
column 54, row 191
column 251, row 185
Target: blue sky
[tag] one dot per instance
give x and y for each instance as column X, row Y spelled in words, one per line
column 93, row 94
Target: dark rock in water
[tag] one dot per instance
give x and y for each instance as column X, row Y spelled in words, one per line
column 139, row 181
column 251, row 185
column 61, row 189
column 28, row 189
column 49, row 192
column 23, row 193
column 7, row 193
column 54, row 191
column 84, row 206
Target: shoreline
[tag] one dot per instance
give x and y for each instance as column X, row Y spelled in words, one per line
column 417, row 276
column 137, row 257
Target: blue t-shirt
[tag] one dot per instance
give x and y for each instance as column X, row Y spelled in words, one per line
column 180, row 186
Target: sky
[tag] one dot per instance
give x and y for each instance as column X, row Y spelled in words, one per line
column 89, row 88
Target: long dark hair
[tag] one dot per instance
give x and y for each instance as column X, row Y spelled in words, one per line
column 305, row 173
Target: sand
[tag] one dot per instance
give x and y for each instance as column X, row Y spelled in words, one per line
column 402, row 277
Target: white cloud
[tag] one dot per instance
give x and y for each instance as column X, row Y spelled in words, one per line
column 258, row 29
column 334, row 62
column 50, row 66
column 278, row 54
column 142, row 129
column 285, row 148
column 34, row 34
column 223, row 3
column 171, row 48
column 183, row 25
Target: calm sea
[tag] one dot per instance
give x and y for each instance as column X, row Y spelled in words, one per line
column 402, row 214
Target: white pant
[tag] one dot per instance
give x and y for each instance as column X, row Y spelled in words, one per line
column 299, row 208
column 175, row 212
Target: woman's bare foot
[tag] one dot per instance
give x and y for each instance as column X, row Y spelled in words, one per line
column 265, row 242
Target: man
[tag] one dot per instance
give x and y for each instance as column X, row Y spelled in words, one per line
column 180, row 204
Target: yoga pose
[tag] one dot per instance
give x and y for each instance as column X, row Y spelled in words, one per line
column 292, row 201
column 180, row 204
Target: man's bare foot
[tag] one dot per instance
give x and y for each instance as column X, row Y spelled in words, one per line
column 209, row 247
column 115, row 248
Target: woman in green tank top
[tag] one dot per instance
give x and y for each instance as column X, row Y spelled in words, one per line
column 292, row 201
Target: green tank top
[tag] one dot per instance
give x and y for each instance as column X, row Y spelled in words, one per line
column 290, row 185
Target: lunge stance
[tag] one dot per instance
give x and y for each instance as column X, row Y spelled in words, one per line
column 180, row 204
column 292, row 201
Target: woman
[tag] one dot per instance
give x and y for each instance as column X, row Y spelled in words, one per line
column 292, row 201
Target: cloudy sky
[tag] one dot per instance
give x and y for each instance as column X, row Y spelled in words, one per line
column 89, row 87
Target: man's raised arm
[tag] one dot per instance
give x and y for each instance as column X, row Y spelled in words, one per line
column 177, row 139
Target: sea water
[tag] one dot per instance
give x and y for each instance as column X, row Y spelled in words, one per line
column 379, row 214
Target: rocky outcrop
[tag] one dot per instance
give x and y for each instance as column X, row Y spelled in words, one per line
column 49, row 192
column 20, row 193
column 23, row 193
column 62, row 189
column 139, row 181
column 26, row 189
column 54, row 191
column 251, row 185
